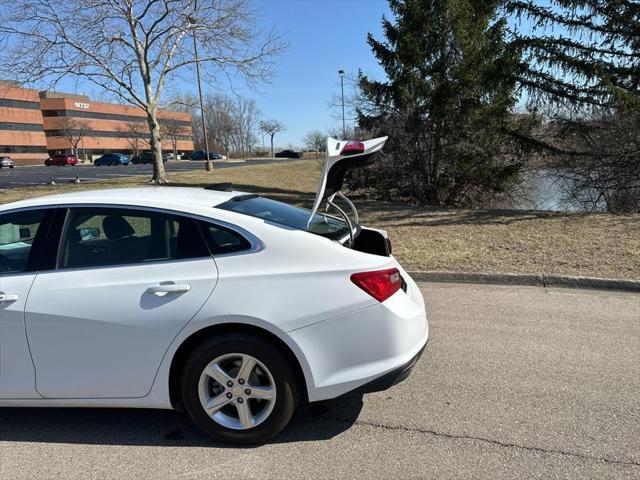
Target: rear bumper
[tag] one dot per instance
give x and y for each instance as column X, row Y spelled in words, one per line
column 366, row 350
column 392, row 378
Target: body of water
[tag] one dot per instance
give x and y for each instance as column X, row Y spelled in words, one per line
column 545, row 190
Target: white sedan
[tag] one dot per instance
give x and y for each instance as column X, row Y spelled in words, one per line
column 231, row 305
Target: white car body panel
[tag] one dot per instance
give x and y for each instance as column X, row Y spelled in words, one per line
column 99, row 332
column 19, row 380
column 295, row 285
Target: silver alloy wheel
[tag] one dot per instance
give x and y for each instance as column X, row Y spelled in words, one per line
column 237, row 391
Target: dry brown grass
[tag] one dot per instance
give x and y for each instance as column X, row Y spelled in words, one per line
column 601, row 245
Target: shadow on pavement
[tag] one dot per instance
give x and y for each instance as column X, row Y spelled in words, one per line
column 93, row 426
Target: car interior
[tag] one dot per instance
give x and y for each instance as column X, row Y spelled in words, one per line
column 117, row 238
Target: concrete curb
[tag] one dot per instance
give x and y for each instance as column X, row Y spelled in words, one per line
column 534, row 280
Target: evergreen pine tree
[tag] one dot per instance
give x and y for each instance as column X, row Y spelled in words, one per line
column 580, row 52
column 446, row 104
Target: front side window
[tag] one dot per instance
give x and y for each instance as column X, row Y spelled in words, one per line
column 17, row 232
column 96, row 237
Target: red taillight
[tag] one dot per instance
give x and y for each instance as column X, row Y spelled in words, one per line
column 380, row 284
column 352, row 147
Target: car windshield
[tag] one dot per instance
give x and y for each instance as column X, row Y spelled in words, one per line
column 286, row 215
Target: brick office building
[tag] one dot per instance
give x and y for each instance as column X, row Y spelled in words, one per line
column 34, row 125
column 22, row 134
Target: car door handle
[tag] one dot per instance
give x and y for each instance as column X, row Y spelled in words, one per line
column 166, row 288
column 9, row 297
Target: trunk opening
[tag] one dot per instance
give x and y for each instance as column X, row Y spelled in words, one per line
column 373, row 242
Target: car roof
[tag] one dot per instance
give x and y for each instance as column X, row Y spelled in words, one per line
column 173, row 198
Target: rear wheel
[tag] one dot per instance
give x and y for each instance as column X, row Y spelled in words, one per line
column 239, row 389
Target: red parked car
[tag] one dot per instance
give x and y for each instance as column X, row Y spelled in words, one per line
column 61, row 160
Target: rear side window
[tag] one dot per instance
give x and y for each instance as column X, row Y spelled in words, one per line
column 223, row 240
column 113, row 236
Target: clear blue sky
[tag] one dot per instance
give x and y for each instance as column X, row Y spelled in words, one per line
column 324, row 36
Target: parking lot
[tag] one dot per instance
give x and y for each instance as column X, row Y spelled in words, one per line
column 30, row 176
column 516, row 382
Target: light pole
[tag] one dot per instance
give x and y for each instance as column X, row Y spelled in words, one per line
column 344, row 128
column 209, row 166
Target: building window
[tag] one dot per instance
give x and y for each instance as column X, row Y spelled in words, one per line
column 23, row 149
column 21, row 127
column 110, row 116
column 103, row 134
column 6, row 102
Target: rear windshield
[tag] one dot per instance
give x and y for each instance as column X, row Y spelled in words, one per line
column 287, row 215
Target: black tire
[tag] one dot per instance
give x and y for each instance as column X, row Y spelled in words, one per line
column 273, row 360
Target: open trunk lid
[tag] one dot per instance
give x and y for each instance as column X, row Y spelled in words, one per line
column 342, row 156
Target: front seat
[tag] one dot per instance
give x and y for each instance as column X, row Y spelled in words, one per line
column 78, row 255
column 124, row 247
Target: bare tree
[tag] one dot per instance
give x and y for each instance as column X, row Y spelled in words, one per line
column 137, row 136
column 336, row 132
column 173, row 131
column 315, row 140
column 596, row 155
column 221, row 125
column 271, row 127
column 73, row 131
column 246, row 115
column 132, row 48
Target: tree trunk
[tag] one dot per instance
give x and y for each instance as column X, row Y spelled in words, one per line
column 159, row 175
column 271, row 146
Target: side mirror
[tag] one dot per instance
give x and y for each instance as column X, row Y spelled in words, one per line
column 89, row 233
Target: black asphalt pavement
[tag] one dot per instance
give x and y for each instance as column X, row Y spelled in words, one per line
column 30, row 176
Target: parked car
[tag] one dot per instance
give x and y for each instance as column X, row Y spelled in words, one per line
column 202, row 155
column 171, row 157
column 61, row 160
column 228, row 304
column 144, row 157
column 112, row 159
column 288, row 154
column 6, row 162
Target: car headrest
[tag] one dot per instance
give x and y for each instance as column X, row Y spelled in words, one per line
column 116, row 227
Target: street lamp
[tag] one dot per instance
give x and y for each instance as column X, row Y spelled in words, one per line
column 209, row 166
column 344, row 128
